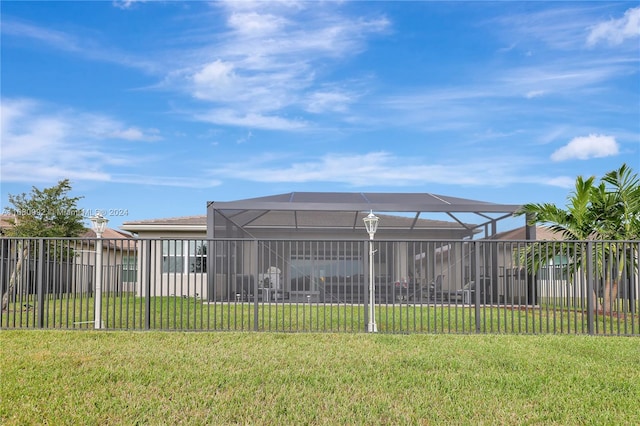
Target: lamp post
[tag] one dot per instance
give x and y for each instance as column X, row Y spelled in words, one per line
column 98, row 223
column 371, row 223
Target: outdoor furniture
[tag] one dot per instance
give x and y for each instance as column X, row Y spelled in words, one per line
column 467, row 294
column 436, row 293
column 272, row 295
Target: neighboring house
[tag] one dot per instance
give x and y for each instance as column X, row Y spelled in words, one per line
column 6, row 222
column 538, row 233
column 308, row 238
column 178, row 248
column 559, row 279
column 70, row 263
column 513, row 282
column 119, row 260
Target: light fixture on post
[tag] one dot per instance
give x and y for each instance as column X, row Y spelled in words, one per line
column 98, row 223
column 371, row 224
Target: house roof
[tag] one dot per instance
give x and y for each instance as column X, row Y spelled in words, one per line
column 112, row 238
column 542, row 234
column 343, row 210
column 108, row 233
column 6, row 221
column 184, row 223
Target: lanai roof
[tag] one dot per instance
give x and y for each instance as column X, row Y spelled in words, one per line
column 296, row 210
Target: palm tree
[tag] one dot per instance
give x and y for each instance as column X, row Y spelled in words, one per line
column 608, row 212
column 575, row 223
column 616, row 207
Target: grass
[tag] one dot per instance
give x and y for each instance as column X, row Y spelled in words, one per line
column 176, row 313
column 101, row 378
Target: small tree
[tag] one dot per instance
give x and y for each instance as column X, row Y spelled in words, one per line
column 50, row 212
column 616, row 211
column 609, row 211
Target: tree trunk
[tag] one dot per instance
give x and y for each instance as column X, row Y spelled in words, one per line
column 596, row 299
column 610, row 295
column 15, row 275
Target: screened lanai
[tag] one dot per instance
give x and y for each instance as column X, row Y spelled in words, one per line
column 412, row 216
column 312, row 244
column 305, row 241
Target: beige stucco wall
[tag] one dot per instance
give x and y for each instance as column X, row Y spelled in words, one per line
column 113, row 253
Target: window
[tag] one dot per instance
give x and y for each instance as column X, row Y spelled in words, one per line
column 172, row 259
column 129, row 269
column 555, row 269
column 181, row 256
column 197, row 256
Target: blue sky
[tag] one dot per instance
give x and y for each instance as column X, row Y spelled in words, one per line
column 151, row 109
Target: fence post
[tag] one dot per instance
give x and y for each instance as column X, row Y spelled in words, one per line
column 147, row 301
column 256, row 316
column 40, row 283
column 590, row 288
column 478, row 284
column 634, row 281
column 367, row 246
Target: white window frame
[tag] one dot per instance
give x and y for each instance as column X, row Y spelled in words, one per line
column 181, row 257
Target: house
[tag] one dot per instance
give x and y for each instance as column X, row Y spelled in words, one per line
column 560, row 277
column 311, row 238
column 514, row 282
column 6, row 222
column 69, row 263
column 119, row 259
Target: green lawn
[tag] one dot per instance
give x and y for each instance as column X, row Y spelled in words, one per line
column 101, row 378
column 127, row 312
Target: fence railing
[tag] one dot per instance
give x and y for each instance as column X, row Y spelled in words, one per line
column 577, row 287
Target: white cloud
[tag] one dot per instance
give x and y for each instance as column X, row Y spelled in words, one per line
column 561, row 181
column 58, row 39
column 553, row 134
column 477, row 104
column 214, row 81
column 98, row 126
column 172, row 181
column 334, row 101
column 534, row 94
column 585, row 147
column 135, row 134
column 256, row 24
column 564, row 76
column 229, row 117
column 616, row 31
column 44, row 143
column 245, row 138
column 126, row 4
column 270, row 60
column 80, row 45
column 382, row 169
column 252, row 5
column 560, row 27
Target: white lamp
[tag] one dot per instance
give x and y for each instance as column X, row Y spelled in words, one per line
column 99, row 223
column 371, row 224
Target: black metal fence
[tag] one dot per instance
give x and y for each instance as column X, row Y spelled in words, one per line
column 577, row 287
